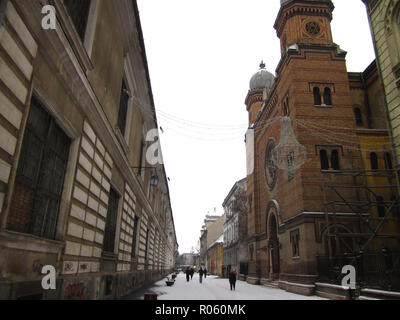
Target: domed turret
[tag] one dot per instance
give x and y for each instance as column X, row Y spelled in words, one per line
column 262, row 79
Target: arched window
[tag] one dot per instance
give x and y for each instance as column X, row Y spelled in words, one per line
column 381, row 206
column 374, row 161
column 317, row 96
column 324, row 160
column 358, row 116
column 388, row 161
column 327, row 96
column 335, row 160
column 395, row 207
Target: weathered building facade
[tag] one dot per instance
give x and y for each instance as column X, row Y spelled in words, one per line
column 384, row 18
column 317, row 141
column 77, row 191
column 235, row 230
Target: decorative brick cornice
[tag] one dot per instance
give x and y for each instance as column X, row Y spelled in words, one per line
column 301, row 7
column 255, row 95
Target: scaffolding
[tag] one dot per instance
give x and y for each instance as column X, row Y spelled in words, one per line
column 362, row 228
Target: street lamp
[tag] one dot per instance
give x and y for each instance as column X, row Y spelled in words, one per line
column 154, row 178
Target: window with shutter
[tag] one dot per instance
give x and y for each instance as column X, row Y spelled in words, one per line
column 123, row 108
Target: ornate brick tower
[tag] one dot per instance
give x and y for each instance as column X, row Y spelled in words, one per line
column 286, row 204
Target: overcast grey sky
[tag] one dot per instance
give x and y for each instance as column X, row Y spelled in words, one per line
column 201, row 55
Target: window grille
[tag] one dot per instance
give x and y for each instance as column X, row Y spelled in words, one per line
column 111, row 223
column 79, row 12
column 123, row 108
column 40, row 175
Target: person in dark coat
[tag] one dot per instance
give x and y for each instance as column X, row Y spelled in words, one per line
column 201, row 272
column 232, row 278
column 187, row 274
column 191, row 273
column 205, row 273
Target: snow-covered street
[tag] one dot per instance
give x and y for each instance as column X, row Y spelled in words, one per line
column 215, row 288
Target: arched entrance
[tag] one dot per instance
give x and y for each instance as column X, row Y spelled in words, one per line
column 273, row 248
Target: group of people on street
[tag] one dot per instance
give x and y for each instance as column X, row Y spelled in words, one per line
column 203, row 272
column 190, row 272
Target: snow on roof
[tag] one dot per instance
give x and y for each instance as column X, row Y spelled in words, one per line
column 220, row 240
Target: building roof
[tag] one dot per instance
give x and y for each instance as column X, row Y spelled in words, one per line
column 262, row 79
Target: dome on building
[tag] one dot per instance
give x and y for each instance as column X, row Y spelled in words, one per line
column 262, row 79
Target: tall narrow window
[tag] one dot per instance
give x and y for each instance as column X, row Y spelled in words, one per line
column 147, row 244
column 324, row 160
column 327, row 96
column 380, row 206
column 388, row 161
column 111, row 223
column 123, row 107
column 358, row 116
column 79, row 12
column 374, row 161
column 40, row 175
column 135, row 235
column 335, row 160
column 317, row 96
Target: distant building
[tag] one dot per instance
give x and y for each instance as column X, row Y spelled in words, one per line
column 215, row 232
column 235, row 230
column 215, row 256
column 203, row 238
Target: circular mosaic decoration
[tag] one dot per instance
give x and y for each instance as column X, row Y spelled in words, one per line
column 313, row 28
column 270, row 168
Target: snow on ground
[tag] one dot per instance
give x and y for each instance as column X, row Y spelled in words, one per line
column 215, row 288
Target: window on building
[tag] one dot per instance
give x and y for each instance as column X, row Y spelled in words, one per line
column 147, row 245
column 374, row 161
column 335, row 160
column 286, row 110
column 381, row 206
column 388, row 161
column 327, row 96
column 317, row 96
column 324, row 159
column 111, row 222
column 40, row 175
column 123, row 107
column 358, row 116
column 295, row 241
column 79, row 12
column 135, row 235
column 395, row 207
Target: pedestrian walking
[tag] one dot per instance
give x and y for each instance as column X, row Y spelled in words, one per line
column 205, row 273
column 232, row 279
column 187, row 274
column 191, row 273
column 201, row 272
